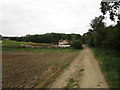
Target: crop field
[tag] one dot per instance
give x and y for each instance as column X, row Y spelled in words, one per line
column 33, row 67
column 11, row 43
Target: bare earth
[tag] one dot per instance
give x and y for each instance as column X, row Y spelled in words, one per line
column 33, row 69
column 85, row 71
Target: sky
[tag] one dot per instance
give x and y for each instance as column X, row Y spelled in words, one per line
column 22, row 17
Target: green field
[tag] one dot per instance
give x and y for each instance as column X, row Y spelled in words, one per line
column 14, row 43
column 109, row 62
column 15, row 47
column 11, row 43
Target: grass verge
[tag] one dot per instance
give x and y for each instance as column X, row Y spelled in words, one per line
column 109, row 62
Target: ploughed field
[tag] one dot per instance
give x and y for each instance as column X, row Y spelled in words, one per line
column 23, row 69
column 36, row 68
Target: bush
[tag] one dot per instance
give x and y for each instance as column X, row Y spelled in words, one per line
column 76, row 44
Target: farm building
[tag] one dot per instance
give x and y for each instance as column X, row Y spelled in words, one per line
column 63, row 42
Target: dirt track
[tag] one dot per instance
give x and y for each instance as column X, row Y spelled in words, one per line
column 89, row 77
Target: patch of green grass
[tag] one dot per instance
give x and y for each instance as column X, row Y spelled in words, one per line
column 72, row 83
column 14, row 46
column 81, row 70
column 110, row 64
column 12, row 43
column 71, row 80
column 15, row 43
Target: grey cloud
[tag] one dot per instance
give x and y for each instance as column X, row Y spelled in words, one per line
column 21, row 17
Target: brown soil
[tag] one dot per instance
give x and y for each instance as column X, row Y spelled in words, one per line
column 92, row 77
column 71, row 71
column 84, row 70
column 49, row 70
column 32, row 69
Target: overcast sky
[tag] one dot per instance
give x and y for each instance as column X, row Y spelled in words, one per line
column 21, row 17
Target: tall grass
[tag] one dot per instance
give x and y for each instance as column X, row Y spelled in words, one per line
column 110, row 64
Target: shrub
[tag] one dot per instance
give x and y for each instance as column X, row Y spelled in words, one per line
column 76, row 44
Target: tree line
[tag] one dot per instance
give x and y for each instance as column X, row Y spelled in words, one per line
column 100, row 35
column 47, row 38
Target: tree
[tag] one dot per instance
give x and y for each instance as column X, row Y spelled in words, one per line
column 0, row 37
column 95, row 34
column 50, row 37
column 112, row 8
column 97, row 23
column 76, row 44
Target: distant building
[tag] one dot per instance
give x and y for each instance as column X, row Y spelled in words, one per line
column 63, row 42
column 5, row 39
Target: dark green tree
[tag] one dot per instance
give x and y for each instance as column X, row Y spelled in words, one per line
column 76, row 44
column 112, row 8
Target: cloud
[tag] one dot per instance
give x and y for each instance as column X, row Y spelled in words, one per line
column 21, row 17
